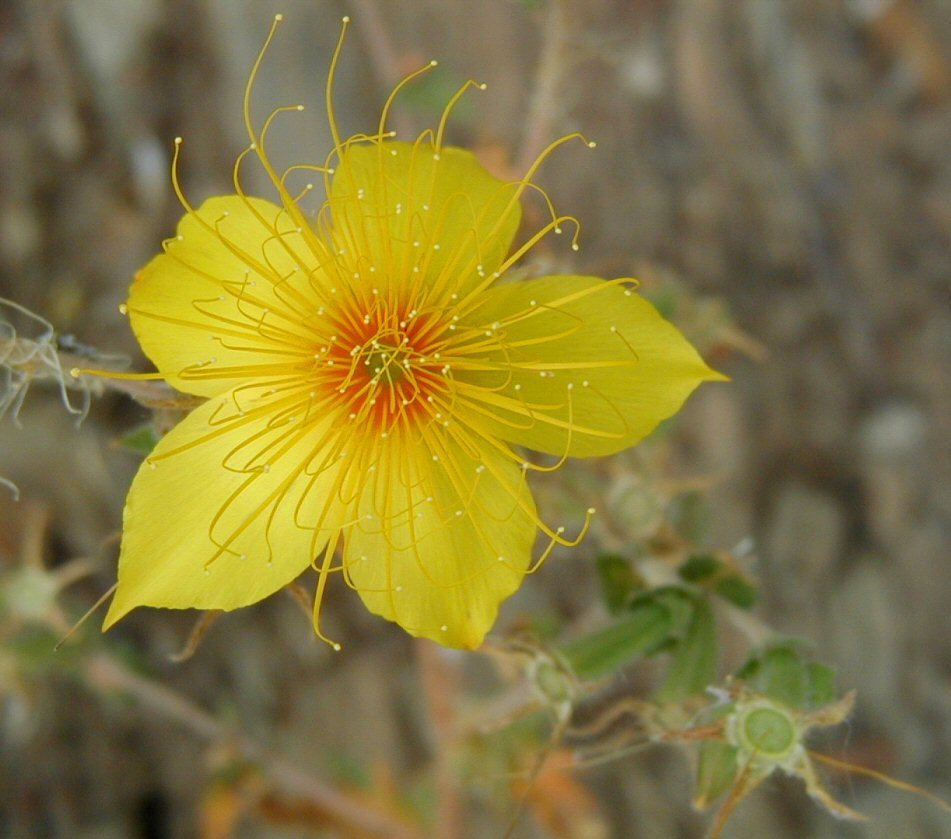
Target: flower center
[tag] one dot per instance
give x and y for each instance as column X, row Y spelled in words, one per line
column 388, row 364
column 384, row 369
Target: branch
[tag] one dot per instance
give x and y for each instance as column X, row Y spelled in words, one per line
column 104, row 673
column 543, row 110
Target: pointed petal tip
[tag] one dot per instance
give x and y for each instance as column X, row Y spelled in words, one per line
column 716, row 376
column 114, row 615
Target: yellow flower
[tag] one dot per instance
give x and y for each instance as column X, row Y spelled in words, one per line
column 370, row 372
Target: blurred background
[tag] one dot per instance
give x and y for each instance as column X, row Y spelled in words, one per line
column 777, row 173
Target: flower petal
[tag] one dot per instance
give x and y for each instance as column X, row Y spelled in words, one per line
column 407, row 210
column 582, row 367
column 229, row 507
column 444, row 535
column 229, row 297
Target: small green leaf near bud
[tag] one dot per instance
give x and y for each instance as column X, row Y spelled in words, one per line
column 737, row 591
column 699, row 567
column 604, row 651
column 140, row 440
column 693, row 666
column 716, row 772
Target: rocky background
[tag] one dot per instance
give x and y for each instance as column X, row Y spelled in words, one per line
column 782, row 167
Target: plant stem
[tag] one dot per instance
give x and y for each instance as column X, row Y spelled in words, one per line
column 104, row 673
column 440, row 688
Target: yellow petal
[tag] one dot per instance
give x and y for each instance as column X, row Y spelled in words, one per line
column 583, row 366
column 229, row 507
column 444, row 535
column 229, row 298
column 412, row 213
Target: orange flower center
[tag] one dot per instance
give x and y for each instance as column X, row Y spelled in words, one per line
column 384, row 366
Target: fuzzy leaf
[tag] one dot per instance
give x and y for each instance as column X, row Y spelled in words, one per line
column 821, row 685
column 604, row 651
column 693, row 666
column 737, row 590
column 699, row 567
column 781, row 672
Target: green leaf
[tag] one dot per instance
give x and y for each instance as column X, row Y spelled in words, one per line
column 714, row 574
column 140, row 440
column 716, row 772
column 693, row 666
column 619, row 582
column 699, row 567
column 678, row 599
column 821, row 685
column 781, row 672
column 737, row 590
column 782, row 677
column 604, row 651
